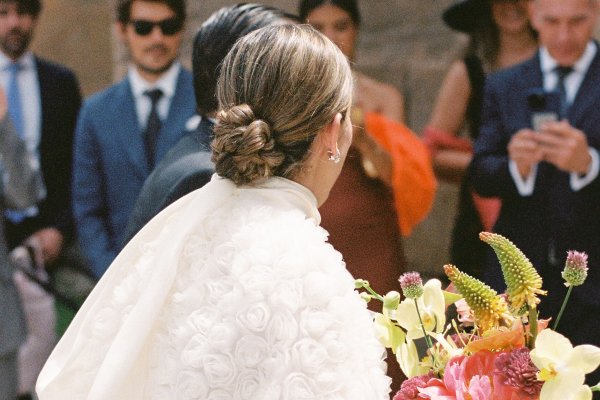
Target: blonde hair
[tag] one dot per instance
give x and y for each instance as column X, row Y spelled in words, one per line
column 279, row 87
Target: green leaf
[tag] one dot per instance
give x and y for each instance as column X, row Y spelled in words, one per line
column 451, row 298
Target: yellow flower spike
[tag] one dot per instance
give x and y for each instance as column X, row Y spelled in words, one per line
column 488, row 308
column 523, row 283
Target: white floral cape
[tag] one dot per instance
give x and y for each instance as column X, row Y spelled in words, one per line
column 229, row 293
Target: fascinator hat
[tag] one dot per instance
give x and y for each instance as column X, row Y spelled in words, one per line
column 467, row 15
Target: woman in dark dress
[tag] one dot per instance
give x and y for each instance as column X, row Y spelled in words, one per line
column 359, row 214
column 499, row 36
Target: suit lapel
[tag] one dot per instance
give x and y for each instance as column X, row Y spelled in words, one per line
column 45, row 92
column 533, row 72
column 128, row 131
column 589, row 91
column 530, row 79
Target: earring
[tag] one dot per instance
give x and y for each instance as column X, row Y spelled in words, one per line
column 336, row 158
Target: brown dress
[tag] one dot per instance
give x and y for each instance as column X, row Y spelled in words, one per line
column 361, row 220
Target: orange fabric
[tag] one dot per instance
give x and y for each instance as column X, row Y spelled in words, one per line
column 413, row 179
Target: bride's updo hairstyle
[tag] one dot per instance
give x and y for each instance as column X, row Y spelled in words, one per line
column 279, row 87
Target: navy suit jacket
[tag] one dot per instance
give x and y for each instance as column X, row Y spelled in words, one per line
column 185, row 168
column 61, row 99
column 110, row 166
column 554, row 216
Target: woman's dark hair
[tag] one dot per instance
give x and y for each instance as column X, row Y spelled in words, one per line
column 124, row 8
column 31, row 7
column 484, row 40
column 350, row 6
column 217, row 36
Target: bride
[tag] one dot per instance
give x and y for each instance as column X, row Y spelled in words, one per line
column 233, row 291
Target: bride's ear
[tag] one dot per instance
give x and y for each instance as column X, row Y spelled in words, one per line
column 331, row 134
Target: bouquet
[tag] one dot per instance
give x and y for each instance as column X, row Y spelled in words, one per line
column 497, row 347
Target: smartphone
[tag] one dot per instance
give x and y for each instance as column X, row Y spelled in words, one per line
column 543, row 107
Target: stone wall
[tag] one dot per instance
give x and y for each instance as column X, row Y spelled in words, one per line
column 76, row 33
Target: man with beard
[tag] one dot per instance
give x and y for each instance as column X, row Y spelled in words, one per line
column 43, row 102
column 126, row 129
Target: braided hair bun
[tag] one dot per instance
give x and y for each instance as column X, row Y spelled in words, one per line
column 244, row 149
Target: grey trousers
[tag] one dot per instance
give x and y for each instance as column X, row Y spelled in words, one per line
column 8, row 376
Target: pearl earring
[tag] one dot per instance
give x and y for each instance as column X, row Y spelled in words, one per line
column 337, row 157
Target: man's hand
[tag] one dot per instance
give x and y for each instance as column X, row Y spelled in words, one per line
column 565, row 147
column 51, row 242
column 525, row 151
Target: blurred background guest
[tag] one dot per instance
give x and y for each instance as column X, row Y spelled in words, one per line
column 43, row 102
column 126, row 129
column 499, row 36
column 547, row 175
column 21, row 186
column 359, row 214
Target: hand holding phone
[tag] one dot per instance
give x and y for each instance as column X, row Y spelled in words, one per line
column 524, row 151
column 544, row 107
column 565, row 147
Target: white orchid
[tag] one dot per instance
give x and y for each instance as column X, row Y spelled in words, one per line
column 408, row 358
column 563, row 367
column 387, row 332
column 431, row 307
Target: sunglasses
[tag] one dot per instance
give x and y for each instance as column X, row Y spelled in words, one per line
column 168, row 27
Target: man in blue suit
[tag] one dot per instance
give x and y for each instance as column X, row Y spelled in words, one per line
column 547, row 175
column 187, row 166
column 123, row 131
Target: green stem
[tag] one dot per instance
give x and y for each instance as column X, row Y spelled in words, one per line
column 427, row 338
column 533, row 326
column 562, row 308
column 374, row 293
column 596, row 388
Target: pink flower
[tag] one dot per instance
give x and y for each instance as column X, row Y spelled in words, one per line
column 465, row 314
column 515, row 369
column 576, row 268
column 410, row 387
column 464, row 378
column 479, row 364
column 480, row 388
column 447, row 388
